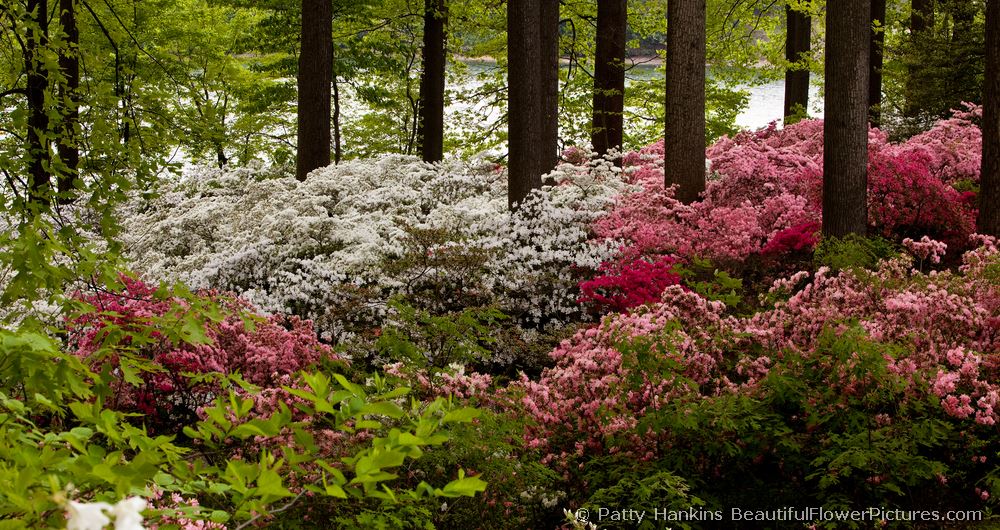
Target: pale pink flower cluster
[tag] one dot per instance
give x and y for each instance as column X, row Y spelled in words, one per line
column 946, row 326
column 926, row 249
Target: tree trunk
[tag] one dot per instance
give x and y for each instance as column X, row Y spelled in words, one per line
column 921, row 19
column 989, row 194
column 39, row 177
column 69, row 63
column 845, row 129
column 875, row 61
column 432, row 81
column 532, row 95
column 798, row 44
column 314, row 79
column 684, row 141
column 609, row 75
column 548, row 18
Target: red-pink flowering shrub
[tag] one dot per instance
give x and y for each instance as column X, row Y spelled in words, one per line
column 623, row 286
column 263, row 351
column 798, row 238
column 905, row 200
column 769, row 182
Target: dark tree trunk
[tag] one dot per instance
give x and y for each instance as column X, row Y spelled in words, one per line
column 315, row 78
column 684, row 142
column 798, row 44
column 69, row 63
column 533, row 90
column 921, row 19
column 845, row 129
column 548, row 18
column 989, row 196
column 39, row 177
column 609, row 75
column 875, row 61
column 432, row 81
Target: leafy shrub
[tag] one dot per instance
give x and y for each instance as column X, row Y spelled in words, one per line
column 162, row 377
column 853, row 251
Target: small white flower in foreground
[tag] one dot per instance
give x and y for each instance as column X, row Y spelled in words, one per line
column 128, row 513
column 92, row 516
column 87, row 516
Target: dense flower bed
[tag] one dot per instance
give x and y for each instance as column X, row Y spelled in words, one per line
column 945, row 326
column 335, row 247
column 768, row 184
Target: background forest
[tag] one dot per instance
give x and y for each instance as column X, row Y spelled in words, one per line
column 499, row 264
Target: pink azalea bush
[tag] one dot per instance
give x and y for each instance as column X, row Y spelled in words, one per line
column 265, row 351
column 944, row 327
column 766, row 189
column 622, row 286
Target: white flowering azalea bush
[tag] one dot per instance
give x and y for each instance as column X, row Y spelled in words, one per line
column 336, row 247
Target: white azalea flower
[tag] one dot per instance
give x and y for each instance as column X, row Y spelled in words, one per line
column 128, row 513
column 87, row 516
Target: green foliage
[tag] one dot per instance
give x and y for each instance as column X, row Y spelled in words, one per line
column 853, row 251
column 420, row 338
column 711, row 283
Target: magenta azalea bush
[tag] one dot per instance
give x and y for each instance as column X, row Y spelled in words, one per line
column 766, row 192
column 622, row 286
column 164, row 384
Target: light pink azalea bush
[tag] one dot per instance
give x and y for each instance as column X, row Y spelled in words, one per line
column 944, row 326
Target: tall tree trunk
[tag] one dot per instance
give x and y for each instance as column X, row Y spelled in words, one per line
column 69, row 63
column 432, row 81
column 921, row 20
column 532, row 94
column 684, row 141
column 845, row 128
column 875, row 62
column 798, row 44
column 989, row 195
column 315, row 78
column 38, row 151
column 548, row 18
column 609, row 75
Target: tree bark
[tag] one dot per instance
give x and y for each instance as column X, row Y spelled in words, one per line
column 432, row 81
column 69, row 63
column 314, row 80
column 38, row 149
column 875, row 62
column 548, row 18
column 921, row 19
column 798, row 44
column 609, row 75
column 684, row 132
column 845, row 129
column 989, row 195
column 532, row 94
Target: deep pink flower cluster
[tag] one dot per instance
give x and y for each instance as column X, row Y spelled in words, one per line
column 945, row 325
column 264, row 351
column 766, row 191
column 622, row 286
